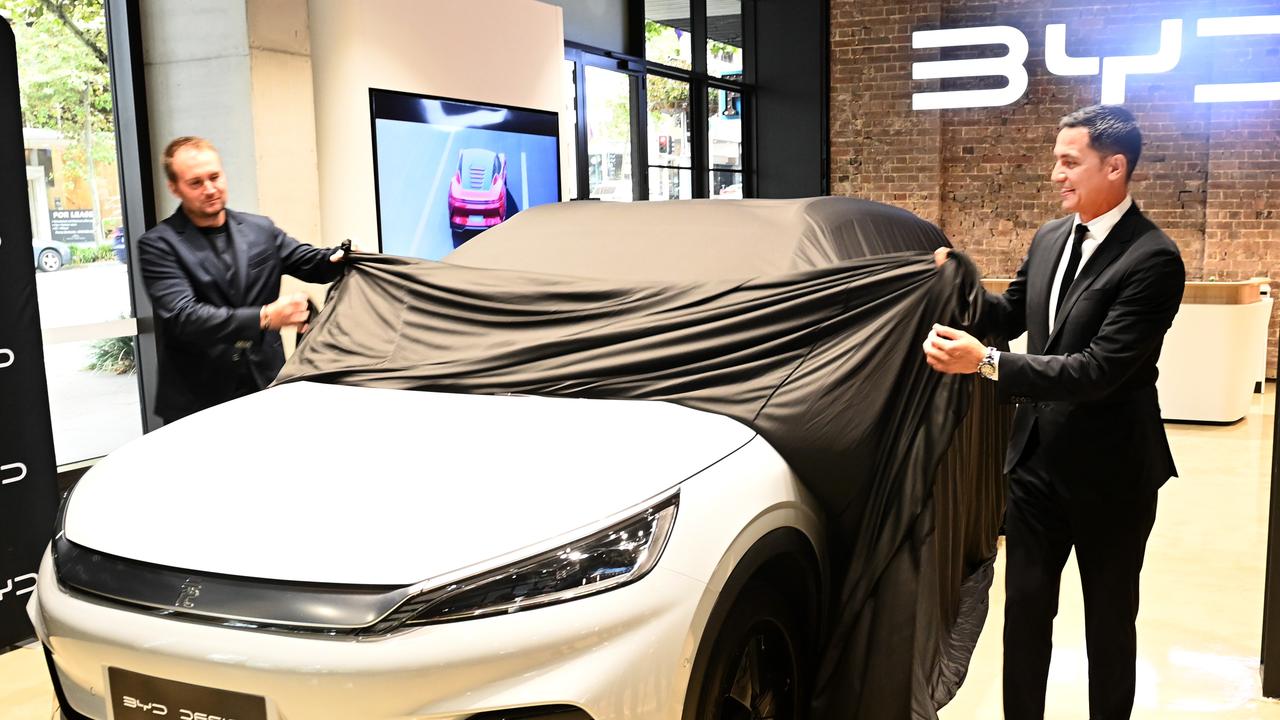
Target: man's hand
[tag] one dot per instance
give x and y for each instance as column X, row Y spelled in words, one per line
column 338, row 255
column 953, row 351
column 289, row 310
column 940, row 255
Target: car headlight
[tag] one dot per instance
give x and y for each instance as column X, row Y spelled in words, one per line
column 611, row 558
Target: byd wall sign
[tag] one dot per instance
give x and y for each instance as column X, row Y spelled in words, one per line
column 1114, row 70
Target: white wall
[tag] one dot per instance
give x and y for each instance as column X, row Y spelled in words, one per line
column 501, row 51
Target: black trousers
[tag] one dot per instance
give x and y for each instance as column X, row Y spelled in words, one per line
column 1043, row 521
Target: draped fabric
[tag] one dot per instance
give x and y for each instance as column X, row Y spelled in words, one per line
column 818, row 350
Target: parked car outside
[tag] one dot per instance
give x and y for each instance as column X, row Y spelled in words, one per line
column 50, row 255
column 118, row 245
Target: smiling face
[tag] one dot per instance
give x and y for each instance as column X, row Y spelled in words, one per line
column 200, row 184
column 1089, row 183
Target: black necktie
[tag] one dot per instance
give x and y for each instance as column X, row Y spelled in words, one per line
column 1073, row 262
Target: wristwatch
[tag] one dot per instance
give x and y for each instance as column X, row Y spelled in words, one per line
column 988, row 368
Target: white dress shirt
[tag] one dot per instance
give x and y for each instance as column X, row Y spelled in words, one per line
column 1099, row 228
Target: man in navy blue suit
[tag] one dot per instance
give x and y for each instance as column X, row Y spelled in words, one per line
column 213, row 276
column 1096, row 293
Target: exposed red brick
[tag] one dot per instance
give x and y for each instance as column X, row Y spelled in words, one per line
column 1209, row 173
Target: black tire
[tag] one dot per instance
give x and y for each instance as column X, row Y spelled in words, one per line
column 757, row 667
column 50, row 260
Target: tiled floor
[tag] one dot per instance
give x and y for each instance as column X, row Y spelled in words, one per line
column 1200, row 625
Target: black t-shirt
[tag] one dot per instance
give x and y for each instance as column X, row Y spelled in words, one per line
column 220, row 241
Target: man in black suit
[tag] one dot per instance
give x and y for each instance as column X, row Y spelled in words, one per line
column 213, row 276
column 1095, row 294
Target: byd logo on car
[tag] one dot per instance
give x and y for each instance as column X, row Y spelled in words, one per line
column 13, row 587
column 158, row 709
column 1114, row 70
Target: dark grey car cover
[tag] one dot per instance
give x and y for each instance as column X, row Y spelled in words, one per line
column 803, row 319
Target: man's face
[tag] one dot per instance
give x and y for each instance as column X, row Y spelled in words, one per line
column 1089, row 183
column 200, row 184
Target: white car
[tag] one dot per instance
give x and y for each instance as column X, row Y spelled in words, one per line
column 442, row 557
column 361, row 582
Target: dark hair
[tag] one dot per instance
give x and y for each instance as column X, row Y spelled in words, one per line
column 1112, row 131
column 186, row 141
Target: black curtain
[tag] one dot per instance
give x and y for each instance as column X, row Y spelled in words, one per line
column 28, row 473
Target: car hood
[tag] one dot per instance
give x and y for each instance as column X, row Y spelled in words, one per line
column 415, row 486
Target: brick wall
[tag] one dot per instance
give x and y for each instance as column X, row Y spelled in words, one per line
column 1209, row 174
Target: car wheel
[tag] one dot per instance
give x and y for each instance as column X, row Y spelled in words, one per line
column 50, row 260
column 756, row 666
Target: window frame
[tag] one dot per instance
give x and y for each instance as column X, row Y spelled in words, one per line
column 700, row 83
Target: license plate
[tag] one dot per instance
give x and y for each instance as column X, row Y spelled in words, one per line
column 143, row 697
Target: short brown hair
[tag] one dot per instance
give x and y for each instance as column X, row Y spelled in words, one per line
column 176, row 144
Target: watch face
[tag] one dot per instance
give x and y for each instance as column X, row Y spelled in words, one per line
column 986, row 369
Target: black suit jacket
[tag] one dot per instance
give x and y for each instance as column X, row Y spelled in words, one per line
column 210, row 348
column 1086, row 391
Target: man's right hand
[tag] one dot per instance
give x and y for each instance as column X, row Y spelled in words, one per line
column 940, row 255
column 288, row 310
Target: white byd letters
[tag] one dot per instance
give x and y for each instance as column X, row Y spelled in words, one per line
column 6, row 357
column 1114, row 70
column 15, row 582
column 12, row 473
column 1010, row 66
column 1238, row 92
column 146, row 707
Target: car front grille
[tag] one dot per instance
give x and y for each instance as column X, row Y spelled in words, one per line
column 338, row 611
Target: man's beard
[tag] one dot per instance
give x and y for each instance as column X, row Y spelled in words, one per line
column 199, row 213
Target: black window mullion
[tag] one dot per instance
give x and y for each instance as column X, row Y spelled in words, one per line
column 580, row 135
column 748, row 145
column 639, row 137
column 698, row 14
column 137, row 199
column 700, row 142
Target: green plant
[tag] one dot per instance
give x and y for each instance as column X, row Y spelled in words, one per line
column 113, row 355
column 83, row 254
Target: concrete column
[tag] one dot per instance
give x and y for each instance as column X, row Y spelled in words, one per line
column 238, row 72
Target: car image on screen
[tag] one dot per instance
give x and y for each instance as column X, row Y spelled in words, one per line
column 478, row 191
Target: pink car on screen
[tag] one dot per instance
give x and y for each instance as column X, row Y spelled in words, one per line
column 478, row 192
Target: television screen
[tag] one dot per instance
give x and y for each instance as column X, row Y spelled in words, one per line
column 445, row 170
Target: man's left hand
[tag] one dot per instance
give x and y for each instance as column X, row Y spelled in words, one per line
column 953, row 351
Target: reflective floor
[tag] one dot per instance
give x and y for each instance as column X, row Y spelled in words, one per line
column 1200, row 623
column 1198, row 632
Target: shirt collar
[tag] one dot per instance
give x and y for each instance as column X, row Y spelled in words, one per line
column 1101, row 226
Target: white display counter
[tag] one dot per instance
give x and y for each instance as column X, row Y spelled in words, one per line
column 1214, row 353
column 1211, row 356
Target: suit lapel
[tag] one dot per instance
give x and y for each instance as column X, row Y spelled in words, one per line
column 1044, row 275
column 1113, row 247
column 240, row 249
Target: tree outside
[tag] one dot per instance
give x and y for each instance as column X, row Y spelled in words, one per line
column 67, row 106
